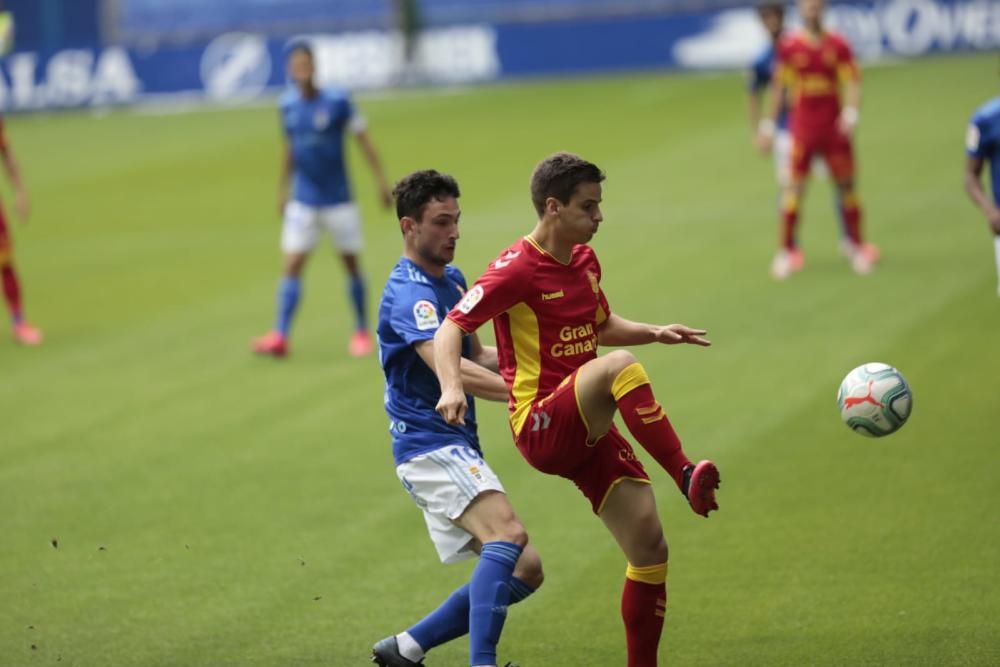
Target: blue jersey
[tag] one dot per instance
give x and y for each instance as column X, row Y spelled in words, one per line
column 413, row 306
column 315, row 129
column 761, row 73
column 983, row 140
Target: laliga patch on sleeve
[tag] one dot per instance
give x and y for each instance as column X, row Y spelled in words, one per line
column 425, row 315
column 471, row 298
column 972, row 138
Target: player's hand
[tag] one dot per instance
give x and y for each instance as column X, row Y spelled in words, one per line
column 675, row 334
column 452, row 406
column 847, row 122
column 282, row 202
column 993, row 217
column 22, row 205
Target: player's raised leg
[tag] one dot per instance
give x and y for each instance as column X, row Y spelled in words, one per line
column 630, row 514
column 617, row 382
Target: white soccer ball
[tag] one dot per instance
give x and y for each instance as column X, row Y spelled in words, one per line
column 875, row 400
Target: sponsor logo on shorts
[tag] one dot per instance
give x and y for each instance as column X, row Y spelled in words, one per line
column 425, row 315
column 549, row 296
column 471, row 298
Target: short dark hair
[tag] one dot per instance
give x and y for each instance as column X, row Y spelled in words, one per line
column 771, row 7
column 298, row 44
column 414, row 192
column 558, row 176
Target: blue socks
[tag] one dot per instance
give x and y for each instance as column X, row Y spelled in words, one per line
column 481, row 616
column 356, row 290
column 489, row 595
column 289, row 292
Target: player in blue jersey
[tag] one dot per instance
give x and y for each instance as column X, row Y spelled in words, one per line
column 982, row 144
column 772, row 17
column 439, row 464
column 315, row 123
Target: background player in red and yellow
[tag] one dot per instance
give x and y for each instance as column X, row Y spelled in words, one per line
column 550, row 315
column 24, row 333
column 812, row 64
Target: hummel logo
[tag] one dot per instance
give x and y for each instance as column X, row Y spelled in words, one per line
column 552, row 295
column 851, row 401
column 506, row 259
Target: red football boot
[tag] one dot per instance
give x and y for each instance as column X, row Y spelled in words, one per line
column 700, row 483
column 273, row 344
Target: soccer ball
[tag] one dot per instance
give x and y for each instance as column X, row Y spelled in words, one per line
column 874, row 400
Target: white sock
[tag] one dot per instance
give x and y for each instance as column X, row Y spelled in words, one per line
column 408, row 647
column 996, row 245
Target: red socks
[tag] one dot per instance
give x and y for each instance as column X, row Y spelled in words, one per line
column 852, row 218
column 789, row 220
column 647, row 421
column 11, row 290
column 644, row 603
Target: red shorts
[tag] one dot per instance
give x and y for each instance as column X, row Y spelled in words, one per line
column 554, row 441
column 6, row 242
column 832, row 144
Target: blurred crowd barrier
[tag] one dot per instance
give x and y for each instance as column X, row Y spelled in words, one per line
column 77, row 53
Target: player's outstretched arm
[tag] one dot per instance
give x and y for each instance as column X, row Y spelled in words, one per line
column 447, row 366
column 618, row 332
column 371, row 155
column 476, row 380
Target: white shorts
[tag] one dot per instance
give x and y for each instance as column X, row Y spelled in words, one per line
column 443, row 483
column 303, row 225
column 783, row 160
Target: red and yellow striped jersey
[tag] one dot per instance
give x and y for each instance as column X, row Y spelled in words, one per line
column 545, row 315
column 813, row 68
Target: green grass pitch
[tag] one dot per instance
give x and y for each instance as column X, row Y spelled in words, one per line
column 215, row 509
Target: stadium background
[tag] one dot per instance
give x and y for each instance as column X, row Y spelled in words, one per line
column 169, row 500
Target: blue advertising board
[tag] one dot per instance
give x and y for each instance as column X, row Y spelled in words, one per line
column 237, row 67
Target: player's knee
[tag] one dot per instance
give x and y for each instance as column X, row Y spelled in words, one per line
column 515, row 533
column 650, row 544
column 618, row 361
column 529, row 569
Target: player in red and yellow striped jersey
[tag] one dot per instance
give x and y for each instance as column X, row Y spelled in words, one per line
column 812, row 65
column 24, row 333
column 550, row 316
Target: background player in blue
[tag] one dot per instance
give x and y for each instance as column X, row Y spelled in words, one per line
column 315, row 123
column 772, row 17
column 440, row 465
column 982, row 144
